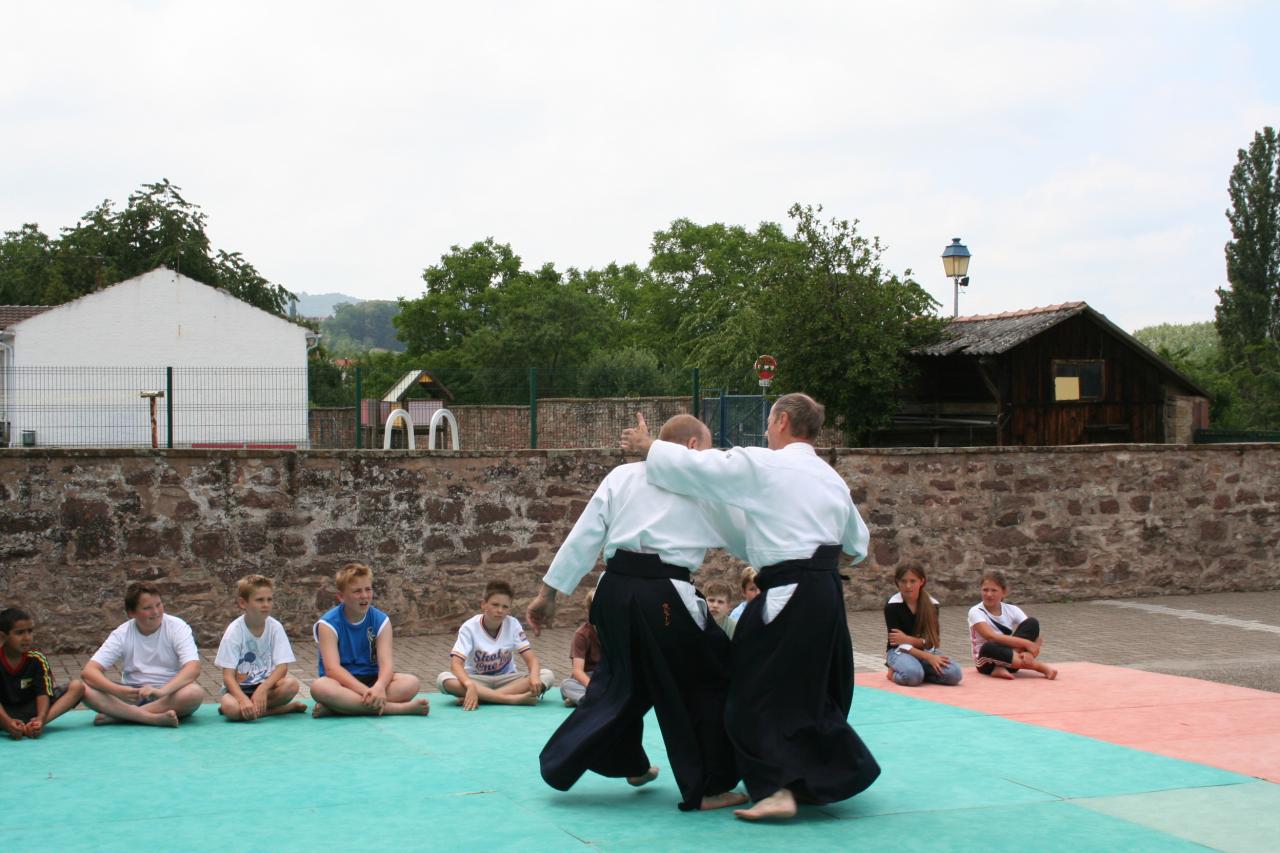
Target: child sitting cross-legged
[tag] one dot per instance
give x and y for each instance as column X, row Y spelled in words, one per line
column 357, row 668
column 254, row 656
column 585, row 654
column 29, row 699
column 482, row 665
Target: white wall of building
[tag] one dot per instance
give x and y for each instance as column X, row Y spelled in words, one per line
column 240, row 373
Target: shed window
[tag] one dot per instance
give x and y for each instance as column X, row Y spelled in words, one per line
column 1077, row 380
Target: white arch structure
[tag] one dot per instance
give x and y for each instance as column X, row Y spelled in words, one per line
column 391, row 419
column 443, row 415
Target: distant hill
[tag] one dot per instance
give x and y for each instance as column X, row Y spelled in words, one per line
column 322, row 304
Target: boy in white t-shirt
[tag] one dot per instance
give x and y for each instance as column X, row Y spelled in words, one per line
column 482, row 665
column 158, row 661
column 255, row 655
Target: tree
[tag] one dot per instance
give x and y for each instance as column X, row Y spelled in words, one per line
column 363, row 326
column 842, row 326
column 157, row 227
column 1248, row 311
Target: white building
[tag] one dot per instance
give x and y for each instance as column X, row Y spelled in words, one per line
column 232, row 374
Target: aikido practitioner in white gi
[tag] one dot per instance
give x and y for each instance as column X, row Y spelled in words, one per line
column 791, row 683
column 660, row 649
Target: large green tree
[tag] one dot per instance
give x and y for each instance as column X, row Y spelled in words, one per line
column 355, row 328
column 1248, row 312
column 156, row 227
column 1249, row 308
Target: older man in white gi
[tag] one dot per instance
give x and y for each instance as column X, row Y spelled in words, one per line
column 791, row 685
column 659, row 648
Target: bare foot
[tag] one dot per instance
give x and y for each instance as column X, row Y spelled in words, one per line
column 103, row 720
column 528, row 699
column 419, row 707
column 1050, row 673
column 648, row 776
column 720, row 801
column 888, row 673
column 319, row 710
column 168, row 719
column 291, row 708
column 568, row 703
column 1001, row 672
column 780, row 804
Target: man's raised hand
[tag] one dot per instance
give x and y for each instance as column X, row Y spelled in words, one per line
column 636, row 439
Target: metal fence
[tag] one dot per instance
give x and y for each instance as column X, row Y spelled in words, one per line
column 154, row 407
column 1234, row 436
column 326, row 406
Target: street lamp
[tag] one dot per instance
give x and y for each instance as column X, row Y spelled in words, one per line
column 955, row 261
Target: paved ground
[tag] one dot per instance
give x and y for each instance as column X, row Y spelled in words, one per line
column 1232, row 638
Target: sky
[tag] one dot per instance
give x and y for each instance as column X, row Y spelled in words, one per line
column 1080, row 150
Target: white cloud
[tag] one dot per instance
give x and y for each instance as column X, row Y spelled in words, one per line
column 1081, row 150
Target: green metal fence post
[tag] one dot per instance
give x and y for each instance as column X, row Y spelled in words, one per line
column 697, row 394
column 533, row 407
column 359, row 413
column 168, row 407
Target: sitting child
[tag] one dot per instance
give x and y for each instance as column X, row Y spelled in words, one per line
column 749, row 591
column 357, row 667
column 482, row 665
column 584, row 654
column 1004, row 638
column 29, row 700
column 158, row 661
column 911, row 615
column 255, row 655
column 718, row 594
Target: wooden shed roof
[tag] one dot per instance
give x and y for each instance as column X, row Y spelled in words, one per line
column 995, row 334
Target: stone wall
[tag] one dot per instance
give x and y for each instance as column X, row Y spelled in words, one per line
column 1063, row 523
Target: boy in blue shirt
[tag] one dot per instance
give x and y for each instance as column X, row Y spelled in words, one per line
column 357, row 669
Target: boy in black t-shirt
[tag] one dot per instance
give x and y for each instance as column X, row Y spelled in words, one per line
column 28, row 697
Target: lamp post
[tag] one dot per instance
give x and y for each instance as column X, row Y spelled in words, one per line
column 955, row 261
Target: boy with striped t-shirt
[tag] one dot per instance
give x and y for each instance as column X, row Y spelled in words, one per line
column 482, row 665
column 28, row 696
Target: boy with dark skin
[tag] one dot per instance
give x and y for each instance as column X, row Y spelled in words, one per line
column 29, row 698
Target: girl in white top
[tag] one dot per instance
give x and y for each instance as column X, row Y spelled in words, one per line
column 1004, row 638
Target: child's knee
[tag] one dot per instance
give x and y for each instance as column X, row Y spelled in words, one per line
column 908, row 677
column 403, row 687
column 442, row 683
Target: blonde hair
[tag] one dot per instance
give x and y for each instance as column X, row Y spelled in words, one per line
column 747, row 577
column 351, row 572
column 249, row 584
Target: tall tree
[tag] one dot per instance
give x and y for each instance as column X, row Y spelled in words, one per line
column 156, row 227
column 1248, row 312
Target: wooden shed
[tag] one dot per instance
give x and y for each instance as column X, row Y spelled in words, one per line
column 1063, row 374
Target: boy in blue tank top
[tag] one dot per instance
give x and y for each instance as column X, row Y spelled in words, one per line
column 357, row 668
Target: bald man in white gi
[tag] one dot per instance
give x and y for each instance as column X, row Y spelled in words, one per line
column 660, row 649
column 791, row 684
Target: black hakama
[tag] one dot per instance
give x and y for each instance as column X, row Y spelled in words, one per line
column 791, row 689
column 654, row 656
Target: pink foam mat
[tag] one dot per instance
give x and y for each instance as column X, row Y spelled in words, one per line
column 1233, row 728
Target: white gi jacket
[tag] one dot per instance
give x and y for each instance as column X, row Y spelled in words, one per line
column 627, row 512
column 793, row 501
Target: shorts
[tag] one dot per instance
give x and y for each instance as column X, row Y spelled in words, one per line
column 367, row 680
column 27, row 710
column 246, row 689
column 494, row 682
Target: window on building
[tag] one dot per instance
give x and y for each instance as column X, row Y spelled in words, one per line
column 1077, row 380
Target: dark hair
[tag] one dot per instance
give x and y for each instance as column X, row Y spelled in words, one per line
column 10, row 617
column 997, row 576
column 493, row 588
column 926, row 613
column 805, row 414
column 136, row 590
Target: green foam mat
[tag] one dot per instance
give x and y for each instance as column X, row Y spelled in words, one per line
column 469, row 781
